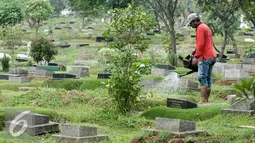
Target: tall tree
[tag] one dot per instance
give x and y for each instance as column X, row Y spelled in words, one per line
column 37, row 11
column 248, row 7
column 10, row 13
column 86, row 8
column 58, row 5
column 223, row 19
column 165, row 10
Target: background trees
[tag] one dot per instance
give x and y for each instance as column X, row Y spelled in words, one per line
column 36, row 11
column 86, row 8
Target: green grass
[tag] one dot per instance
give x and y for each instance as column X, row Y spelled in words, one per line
column 194, row 114
column 5, row 85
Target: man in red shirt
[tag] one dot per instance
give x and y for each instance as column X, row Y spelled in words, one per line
column 204, row 55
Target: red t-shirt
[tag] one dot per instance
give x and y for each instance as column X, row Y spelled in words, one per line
column 204, row 43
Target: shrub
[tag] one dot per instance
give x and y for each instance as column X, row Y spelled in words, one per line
column 5, row 63
column 42, row 48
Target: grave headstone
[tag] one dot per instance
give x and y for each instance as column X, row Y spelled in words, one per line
column 184, row 83
column 104, row 75
column 248, row 34
column 18, row 79
column 37, row 124
column 62, row 76
column 243, row 106
column 230, row 52
column 177, row 127
column 235, row 74
column 100, row 39
column 72, row 22
column 79, row 134
column 250, row 61
column 150, row 34
column 42, row 73
column 7, row 76
column 63, row 44
column 180, row 103
column 57, row 28
column 78, row 71
column 19, row 71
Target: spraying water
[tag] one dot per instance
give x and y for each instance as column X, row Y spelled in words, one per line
column 170, row 83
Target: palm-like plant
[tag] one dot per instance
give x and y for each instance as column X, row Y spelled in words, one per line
column 246, row 86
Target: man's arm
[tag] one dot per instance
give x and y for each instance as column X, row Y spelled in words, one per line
column 200, row 42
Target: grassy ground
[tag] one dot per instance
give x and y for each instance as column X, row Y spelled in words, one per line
column 82, row 102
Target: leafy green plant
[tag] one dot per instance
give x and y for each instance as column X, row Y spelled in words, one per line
column 42, row 48
column 5, row 63
column 129, row 28
column 172, row 59
column 249, row 52
column 246, row 86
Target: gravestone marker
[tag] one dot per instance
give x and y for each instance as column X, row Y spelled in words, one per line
column 160, row 72
column 184, row 83
column 235, row 74
column 104, row 75
column 79, row 71
column 79, row 134
column 180, row 103
column 63, row 76
column 37, row 124
column 177, row 127
column 19, row 71
column 7, row 76
column 100, row 39
column 21, row 79
column 250, row 61
column 243, row 106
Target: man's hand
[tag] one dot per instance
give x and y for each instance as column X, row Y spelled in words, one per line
column 194, row 61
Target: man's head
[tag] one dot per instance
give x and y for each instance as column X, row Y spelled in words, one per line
column 193, row 20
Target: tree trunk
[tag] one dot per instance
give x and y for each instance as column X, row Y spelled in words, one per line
column 172, row 38
column 220, row 58
column 234, row 45
column 157, row 20
column 83, row 23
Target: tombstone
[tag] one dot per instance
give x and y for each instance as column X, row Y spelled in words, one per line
column 248, row 34
column 72, row 22
column 83, row 45
column 78, row 71
column 19, row 71
column 150, row 34
column 63, row 44
column 59, row 76
column 67, row 27
column 148, row 81
column 184, row 83
column 21, row 58
column 178, row 128
column 42, row 73
column 57, row 28
column 250, row 61
column 7, row 76
column 18, row 79
column 79, row 134
column 164, row 66
column 89, row 27
column 25, row 88
column 37, row 124
column 62, row 23
column 156, row 31
column 230, row 52
column 104, row 76
column 235, row 74
column 241, row 33
column 180, row 103
column 243, row 106
column 100, row 39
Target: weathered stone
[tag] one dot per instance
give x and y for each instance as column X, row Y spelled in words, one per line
column 78, row 131
column 63, row 76
column 175, row 125
column 19, row 71
column 14, row 79
column 187, row 84
column 235, row 74
column 42, row 73
column 79, row 71
column 25, row 88
column 37, row 124
column 237, row 111
column 180, row 103
column 250, row 61
column 6, row 76
column 244, row 104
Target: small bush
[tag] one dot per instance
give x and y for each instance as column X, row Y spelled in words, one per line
column 5, row 63
column 194, row 114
